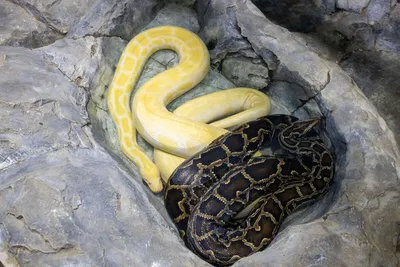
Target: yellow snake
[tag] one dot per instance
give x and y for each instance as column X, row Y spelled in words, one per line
column 181, row 134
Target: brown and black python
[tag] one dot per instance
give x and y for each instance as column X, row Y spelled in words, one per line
column 206, row 193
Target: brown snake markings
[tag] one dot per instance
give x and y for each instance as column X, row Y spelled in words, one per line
column 207, row 191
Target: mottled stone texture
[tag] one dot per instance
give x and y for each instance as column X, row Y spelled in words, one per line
column 69, row 197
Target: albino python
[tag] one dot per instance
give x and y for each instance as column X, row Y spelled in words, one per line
column 207, row 192
column 175, row 136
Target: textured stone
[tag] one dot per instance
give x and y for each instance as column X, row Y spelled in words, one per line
column 377, row 9
column 114, row 18
column 297, row 16
column 19, row 28
column 354, row 5
column 293, row 94
column 53, row 12
column 328, row 47
column 243, row 72
column 107, row 228
column 376, row 73
column 183, row 3
column 328, row 6
column 167, row 16
column 388, row 37
column 40, row 100
column 342, row 22
column 217, row 35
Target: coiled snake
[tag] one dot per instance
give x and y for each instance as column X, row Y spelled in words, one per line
column 207, row 192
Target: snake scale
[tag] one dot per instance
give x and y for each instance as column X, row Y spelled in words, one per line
column 208, row 190
column 226, row 203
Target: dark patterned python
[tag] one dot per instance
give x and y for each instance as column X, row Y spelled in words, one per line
column 208, row 192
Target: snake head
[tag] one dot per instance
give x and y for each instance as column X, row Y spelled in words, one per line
column 298, row 135
column 299, row 128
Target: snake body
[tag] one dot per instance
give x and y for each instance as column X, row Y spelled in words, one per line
column 177, row 135
column 206, row 192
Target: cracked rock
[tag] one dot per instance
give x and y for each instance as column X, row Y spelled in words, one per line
column 114, row 18
column 19, row 28
column 40, row 101
column 52, row 12
column 243, row 72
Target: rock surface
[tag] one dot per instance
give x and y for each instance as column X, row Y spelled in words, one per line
column 69, row 197
column 20, row 28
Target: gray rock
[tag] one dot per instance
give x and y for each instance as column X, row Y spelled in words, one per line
column 20, row 28
column 245, row 72
column 53, row 13
column 46, row 107
column 184, row 3
column 355, row 5
column 328, row 6
column 342, row 22
column 167, row 16
column 364, row 38
column 83, row 61
column 388, row 38
column 296, row 16
column 376, row 73
column 45, row 228
column 294, row 96
column 377, row 9
column 328, row 47
column 219, row 36
column 114, row 18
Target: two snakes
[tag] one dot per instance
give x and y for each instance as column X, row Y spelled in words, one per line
column 226, row 200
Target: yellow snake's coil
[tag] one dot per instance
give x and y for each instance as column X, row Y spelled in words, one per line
column 177, row 135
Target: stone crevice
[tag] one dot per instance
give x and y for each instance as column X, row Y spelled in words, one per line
column 45, row 240
column 30, row 105
column 103, row 258
column 74, row 81
column 97, row 105
column 99, row 35
column 22, row 247
column 37, row 15
column 305, row 102
column 336, row 212
column 18, row 157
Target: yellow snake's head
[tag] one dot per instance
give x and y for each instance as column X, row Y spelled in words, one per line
column 153, row 179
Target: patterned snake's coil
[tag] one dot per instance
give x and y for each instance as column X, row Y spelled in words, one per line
column 207, row 192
